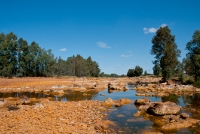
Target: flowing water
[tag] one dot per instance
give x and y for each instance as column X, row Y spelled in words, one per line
column 123, row 116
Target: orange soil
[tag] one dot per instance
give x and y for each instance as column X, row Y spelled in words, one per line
column 32, row 82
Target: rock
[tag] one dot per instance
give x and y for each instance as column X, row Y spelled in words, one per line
column 124, row 101
column 37, row 90
column 23, row 100
column 162, row 94
column 109, row 102
column 118, row 104
column 85, row 94
column 170, row 82
column 142, row 101
column 38, row 105
column 184, row 115
column 163, row 108
column 180, row 124
column 58, row 92
column 137, row 114
column 144, row 107
column 2, row 103
column 152, row 85
column 102, row 94
column 47, row 91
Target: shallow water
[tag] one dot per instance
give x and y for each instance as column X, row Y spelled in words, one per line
column 123, row 116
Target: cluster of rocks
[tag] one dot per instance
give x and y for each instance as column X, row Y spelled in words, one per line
column 167, row 115
column 117, row 87
column 56, row 117
column 70, row 83
column 164, row 89
column 117, row 103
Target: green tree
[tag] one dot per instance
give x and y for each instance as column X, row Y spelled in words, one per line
column 138, row 71
column 165, row 51
column 8, row 54
column 193, row 55
column 131, row 73
column 179, row 70
column 156, row 69
column 186, row 63
column 22, row 55
column 145, row 73
column 70, row 63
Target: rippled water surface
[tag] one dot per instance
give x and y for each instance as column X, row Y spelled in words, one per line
column 123, row 116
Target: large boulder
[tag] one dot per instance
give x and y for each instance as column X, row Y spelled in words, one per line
column 163, row 108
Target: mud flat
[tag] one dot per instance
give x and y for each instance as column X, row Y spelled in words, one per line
column 57, row 117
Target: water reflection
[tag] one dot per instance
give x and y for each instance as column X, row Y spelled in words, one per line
column 172, row 97
column 68, row 96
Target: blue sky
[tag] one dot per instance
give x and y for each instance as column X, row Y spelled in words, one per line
column 115, row 33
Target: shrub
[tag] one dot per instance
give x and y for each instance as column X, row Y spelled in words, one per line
column 197, row 83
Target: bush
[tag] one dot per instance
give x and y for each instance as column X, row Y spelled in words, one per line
column 197, row 83
column 19, row 75
column 189, row 82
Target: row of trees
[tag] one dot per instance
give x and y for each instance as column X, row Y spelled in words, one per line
column 135, row 72
column 77, row 66
column 18, row 58
column 166, row 53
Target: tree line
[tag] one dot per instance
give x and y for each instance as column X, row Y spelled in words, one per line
column 166, row 53
column 18, row 58
column 166, row 63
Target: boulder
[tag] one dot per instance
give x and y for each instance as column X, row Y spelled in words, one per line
column 163, row 108
column 184, row 115
column 112, row 86
column 124, row 101
column 109, row 102
column 142, row 101
column 180, row 124
column 145, row 106
column 47, row 92
column 23, row 100
column 58, row 92
column 2, row 103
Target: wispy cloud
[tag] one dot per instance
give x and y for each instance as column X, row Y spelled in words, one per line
column 63, row 49
column 152, row 29
column 103, row 45
column 125, row 56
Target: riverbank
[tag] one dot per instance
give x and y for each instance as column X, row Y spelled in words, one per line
column 57, row 117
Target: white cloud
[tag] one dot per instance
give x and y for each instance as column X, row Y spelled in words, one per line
column 152, row 29
column 125, row 56
column 163, row 25
column 102, row 45
column 63, row 49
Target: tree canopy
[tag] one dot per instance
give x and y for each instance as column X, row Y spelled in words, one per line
column 166, row 52
column 18, row 58
column 192, row 60
column 135, row 72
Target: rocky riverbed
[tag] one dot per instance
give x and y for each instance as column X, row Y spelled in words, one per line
column 35, row 105
column 57, row 117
